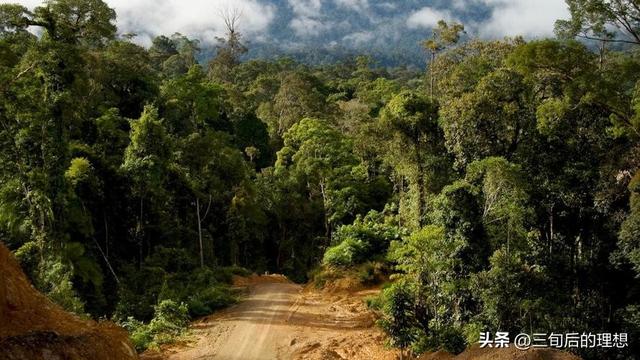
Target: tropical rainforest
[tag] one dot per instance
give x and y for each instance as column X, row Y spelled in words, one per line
column 497, row 188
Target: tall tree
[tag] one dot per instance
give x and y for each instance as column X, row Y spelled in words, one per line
column 146, row 163
column 322, row 158
column 444, row 35
column 88, row 22
column 229, row 49
column 416, row 147
column 594, row 19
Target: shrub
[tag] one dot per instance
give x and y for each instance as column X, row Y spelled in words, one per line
column 170, row 317
column 322, row 275
column 225, row 274
column 139, row 333
column 398, row 319
column 210, row 299
column 347, row 253
column 170, row 321
column 371, row 273
column 374, row 302
column 139, row 290
column 366, row 239
column 447, row 338
column 203, row 289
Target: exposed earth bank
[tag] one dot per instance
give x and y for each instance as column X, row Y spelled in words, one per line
column 34, row 328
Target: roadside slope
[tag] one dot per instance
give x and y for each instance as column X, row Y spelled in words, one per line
column 33, row 327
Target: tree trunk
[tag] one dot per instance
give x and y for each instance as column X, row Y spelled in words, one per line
column 139, row 232
column 106, row 233
column 200, row 232
column 106, row 260
column 420, row 183
column 433, row 59
column 327, row 224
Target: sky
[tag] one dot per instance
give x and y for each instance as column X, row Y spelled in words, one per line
column 529, row 18
column 307, row 18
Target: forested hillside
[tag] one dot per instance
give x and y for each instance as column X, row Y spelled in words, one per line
column 323, row 32
column 499, row 188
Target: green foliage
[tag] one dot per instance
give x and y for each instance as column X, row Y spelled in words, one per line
column 170, row 315
column 491, row 120
column 504, row 197
column 505, row 291
column 449, row 339
column 210, row 299
column 146, row 158
column 172, row 274
column 428, row 262
column 170, row 321
column 365, row 239
column 299, row 96
column 79, row 171
column 415, row 151
column 56, row 277
column 630, row 229
column 138, row 292
column 371, row 273
column 349, row 252
column 595, row 19
column 398, row 320
column 191, row 102
column 133, row 178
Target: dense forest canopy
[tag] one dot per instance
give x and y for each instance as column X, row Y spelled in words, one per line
column 500, row 187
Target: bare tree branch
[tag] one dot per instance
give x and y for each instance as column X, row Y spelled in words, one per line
column 231, row 18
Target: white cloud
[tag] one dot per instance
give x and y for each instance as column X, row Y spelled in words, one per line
column 200, row 19
column 194, row 18
column 355, row 5
column 530, row 18
column 359, row 38
column 428, row 17
column 308, row 21
column 459, row 4
column 305, row 26
column 307, row 8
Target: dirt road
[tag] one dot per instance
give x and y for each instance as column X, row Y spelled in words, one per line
column 280, row 321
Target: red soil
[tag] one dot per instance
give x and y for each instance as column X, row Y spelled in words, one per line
column 33, row 327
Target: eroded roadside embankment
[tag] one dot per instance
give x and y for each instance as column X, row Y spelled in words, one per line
column 32, row 327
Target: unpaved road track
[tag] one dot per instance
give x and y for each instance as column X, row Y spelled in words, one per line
column 255, row 329
column 278, row 320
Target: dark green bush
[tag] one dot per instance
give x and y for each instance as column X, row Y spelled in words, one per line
column 138, row 292
column 225, row 274
column 171, row 260
column 371, row 273
column 210, row 299
column 449, row 338
column 170, row 274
